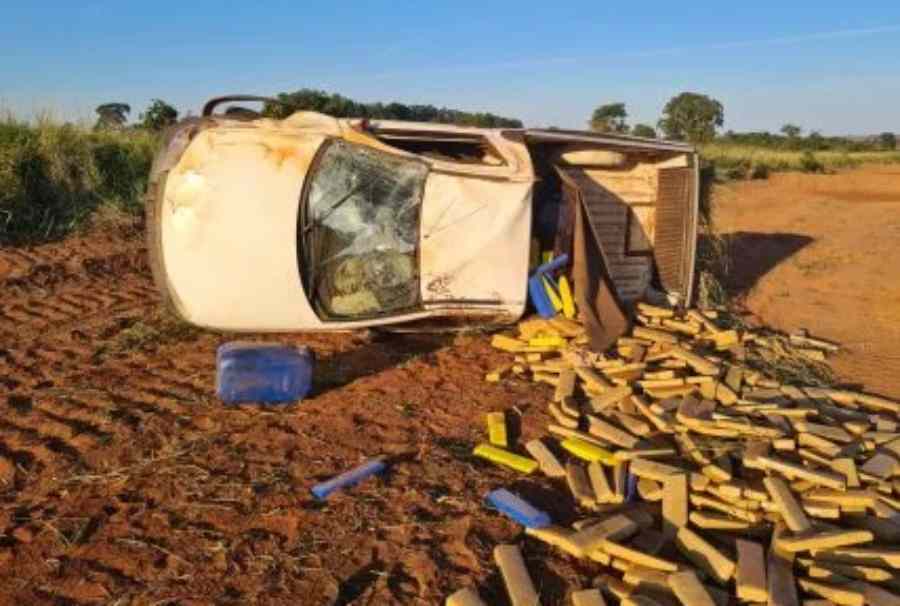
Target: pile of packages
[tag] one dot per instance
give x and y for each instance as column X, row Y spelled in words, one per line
column 699, row 480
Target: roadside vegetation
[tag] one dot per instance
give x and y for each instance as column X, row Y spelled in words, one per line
column 54, row 177
column 743, row 161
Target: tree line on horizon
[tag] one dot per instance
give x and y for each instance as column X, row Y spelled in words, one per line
column 339, row 106
column 688, row 116
column 696, row 118
column 160, row 114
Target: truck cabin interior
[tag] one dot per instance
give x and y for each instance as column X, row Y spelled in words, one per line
column 638, row 204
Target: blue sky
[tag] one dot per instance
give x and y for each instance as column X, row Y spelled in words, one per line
column 824, row 65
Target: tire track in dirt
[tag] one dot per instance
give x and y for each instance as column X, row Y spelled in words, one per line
column 75, row 303
column 17, row 262
column 55, row 287
column 87, row 431
column 56, row 298
column 42, row 266
column 56, row 435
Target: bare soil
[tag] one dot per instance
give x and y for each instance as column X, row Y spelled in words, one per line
column 822, row 252
column 124, row 480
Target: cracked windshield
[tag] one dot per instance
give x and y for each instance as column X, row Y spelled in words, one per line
column 361, row 232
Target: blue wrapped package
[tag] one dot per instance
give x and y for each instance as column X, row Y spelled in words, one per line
column 263, row 372
column 518, row 509
column 551, row 266
column 539, row 297
column 348, row 478
column 536, row 289
column 631, row 488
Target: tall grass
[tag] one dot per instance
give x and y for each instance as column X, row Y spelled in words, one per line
column 53, row 176
column 742, row 161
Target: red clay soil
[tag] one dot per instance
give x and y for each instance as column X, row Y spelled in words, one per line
column 822, row 252
column 124, row 480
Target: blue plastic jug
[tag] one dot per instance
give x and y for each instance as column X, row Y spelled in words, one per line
column 263, row 372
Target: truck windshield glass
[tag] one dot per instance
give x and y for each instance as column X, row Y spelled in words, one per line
column 360, row 232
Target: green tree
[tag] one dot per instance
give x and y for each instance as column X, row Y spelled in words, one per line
column 791, row 131
column 159, row 115
column 112, row 115
column 888, row 141
column 643, row 130
column 692, row 117
column 336, row 105
column 609, row 118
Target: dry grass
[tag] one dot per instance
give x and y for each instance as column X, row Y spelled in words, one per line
column 161, row 327
column 712, row 265
column 779, row 360
column 786, row 364
column 749, row 161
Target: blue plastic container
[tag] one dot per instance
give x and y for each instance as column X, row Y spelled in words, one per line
column 263, row 372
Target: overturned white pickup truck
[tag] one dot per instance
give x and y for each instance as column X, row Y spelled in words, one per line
column 317, row 223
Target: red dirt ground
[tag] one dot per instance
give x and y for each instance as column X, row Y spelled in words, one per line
column 822, row 252
column 124, row 480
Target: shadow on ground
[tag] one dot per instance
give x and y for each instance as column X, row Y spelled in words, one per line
column 379, row 351
column 752, row 255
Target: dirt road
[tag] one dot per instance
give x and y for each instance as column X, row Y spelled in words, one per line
column 822, row 252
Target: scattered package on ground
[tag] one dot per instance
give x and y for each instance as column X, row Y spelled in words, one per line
column 708, row 465
column 349, row 478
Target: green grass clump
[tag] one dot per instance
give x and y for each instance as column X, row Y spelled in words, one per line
column 53, row 176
